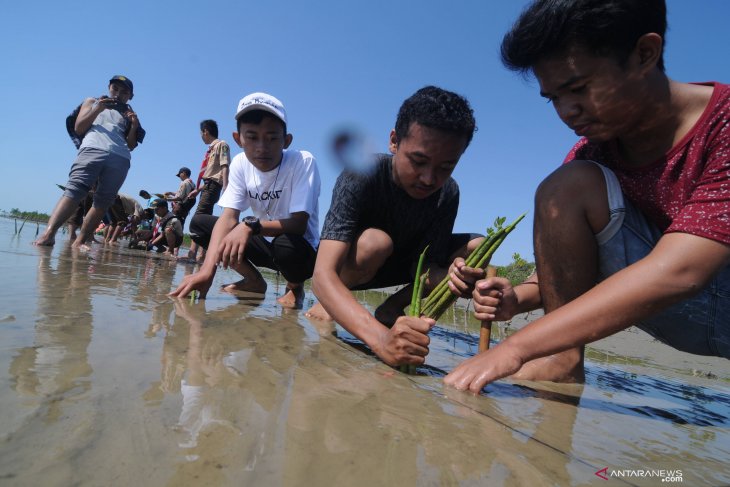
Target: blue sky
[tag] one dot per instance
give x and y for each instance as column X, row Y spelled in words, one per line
column 333, row 64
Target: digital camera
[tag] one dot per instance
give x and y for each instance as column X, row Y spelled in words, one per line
column 117, row 105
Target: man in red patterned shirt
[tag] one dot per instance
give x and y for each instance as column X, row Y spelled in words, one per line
column 634, row 228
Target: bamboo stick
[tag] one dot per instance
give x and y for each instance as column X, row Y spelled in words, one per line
column 485, row 332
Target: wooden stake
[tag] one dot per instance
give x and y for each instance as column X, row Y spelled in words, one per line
column 485, row 332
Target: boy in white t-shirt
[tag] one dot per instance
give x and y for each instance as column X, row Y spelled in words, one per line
column 282, row 189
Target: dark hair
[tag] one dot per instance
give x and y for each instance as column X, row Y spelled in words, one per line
column 603, row 27
column 436, row 108
column 255, row 117
column 211, row 126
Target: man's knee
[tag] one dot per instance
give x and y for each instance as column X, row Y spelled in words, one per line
column 462, row 245
column 372, row 249
column 574, row 190
column 104, row 201
column 201, row 228
column 290, row 249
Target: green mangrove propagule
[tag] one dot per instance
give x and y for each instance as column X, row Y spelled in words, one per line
column 441, row 297
column 416, row 298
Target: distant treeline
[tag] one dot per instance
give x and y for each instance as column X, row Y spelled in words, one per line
column 518, row 270
column 32, row 216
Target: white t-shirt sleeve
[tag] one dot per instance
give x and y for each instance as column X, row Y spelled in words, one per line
column 305, row 186
column 235, row 195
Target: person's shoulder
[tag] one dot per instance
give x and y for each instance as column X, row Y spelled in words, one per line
column 581, row 150
column 305, row 154
column 239, row 164
column 450, row 189
column 240, row 161
column 451, row 185
column 299, row 157
column 720, row 100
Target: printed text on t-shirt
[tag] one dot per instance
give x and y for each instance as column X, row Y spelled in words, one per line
column 265, row 195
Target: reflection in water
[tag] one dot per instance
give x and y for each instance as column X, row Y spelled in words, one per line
column 283, row 414
column 229, row 392
column 57, row 362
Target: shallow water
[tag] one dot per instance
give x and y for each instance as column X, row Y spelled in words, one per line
column 104, row 380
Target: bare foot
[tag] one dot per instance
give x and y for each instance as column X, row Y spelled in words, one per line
column 318, row 312
column 187, row 259
column 293, row 299
column 561, row 367
column 245, row 286
column 45, row 242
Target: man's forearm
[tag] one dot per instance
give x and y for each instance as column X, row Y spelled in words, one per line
column 346, row 310
column 528, row 294
column 296, row 225
column 90, row 109
column 627, row 297
column 132, row 137
column 224, row 177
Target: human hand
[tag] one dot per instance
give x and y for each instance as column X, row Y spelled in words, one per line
column 463, row 277
column 233, row 246
column 199, row 281
column 193, row 193
column 132, row 117
column 103, row 103
column 494, row 299
column 406, row 342
column 474, row 373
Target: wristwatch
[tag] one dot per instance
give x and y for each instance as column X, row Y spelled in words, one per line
column 253, row 223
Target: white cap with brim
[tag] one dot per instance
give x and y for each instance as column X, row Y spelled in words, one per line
column 261, row 101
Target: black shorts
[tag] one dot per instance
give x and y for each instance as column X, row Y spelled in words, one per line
column 399, row 269
column 289, row 254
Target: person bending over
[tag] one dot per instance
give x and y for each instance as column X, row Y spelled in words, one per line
column 380, row 220
column 633, row 228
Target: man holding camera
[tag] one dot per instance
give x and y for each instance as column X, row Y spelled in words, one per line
column 108, row 130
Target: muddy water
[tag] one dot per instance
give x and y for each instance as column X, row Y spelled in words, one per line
column 106, row 381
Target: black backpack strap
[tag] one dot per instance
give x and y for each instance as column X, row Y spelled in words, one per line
column 71, row 127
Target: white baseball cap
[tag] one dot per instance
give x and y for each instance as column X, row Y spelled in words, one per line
column 261, row 101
